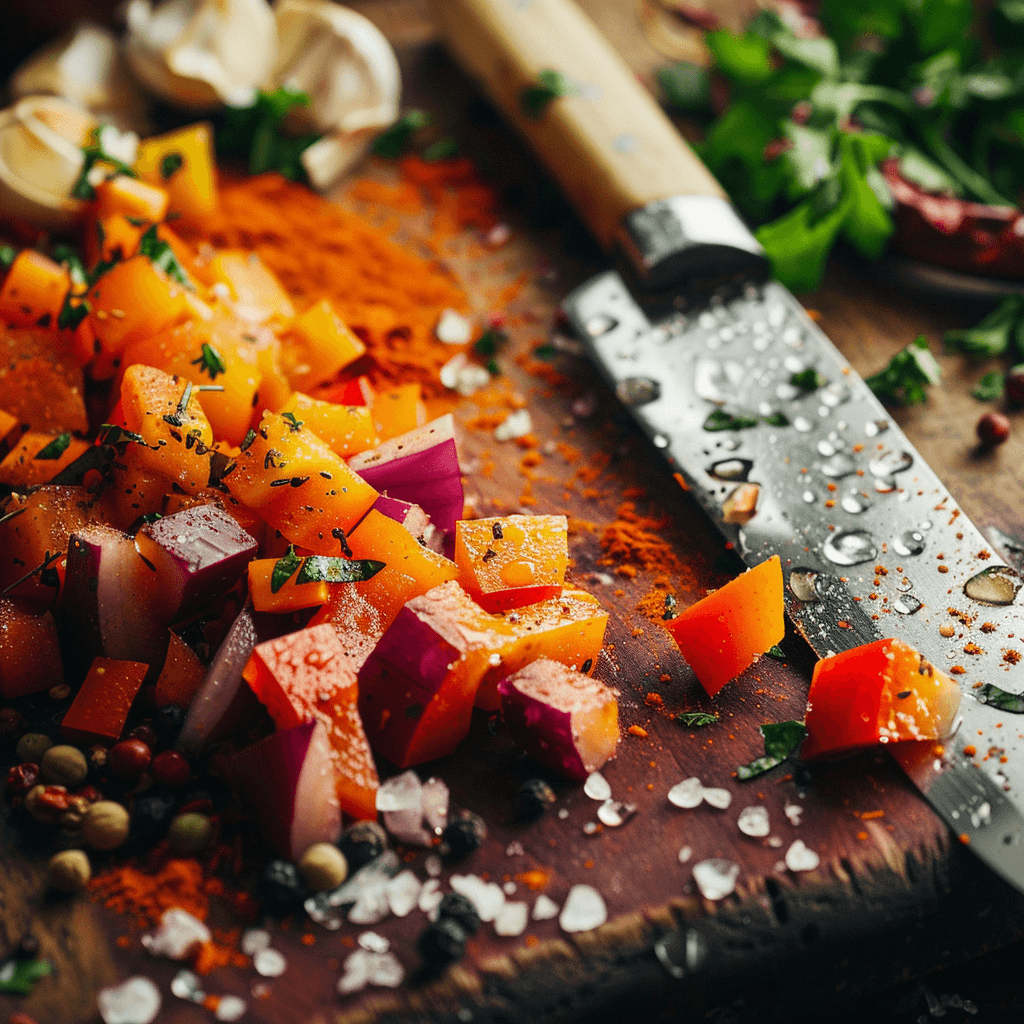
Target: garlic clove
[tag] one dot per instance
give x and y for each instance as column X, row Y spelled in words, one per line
column 41, row 139
column 342, row 61
column 86, row 67
column 201, row 53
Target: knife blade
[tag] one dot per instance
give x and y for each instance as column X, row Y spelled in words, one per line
column 758, row 415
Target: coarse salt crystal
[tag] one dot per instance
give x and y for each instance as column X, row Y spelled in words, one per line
column 584, row 910
column 230, row 1008
column 269, row 963
column 715, row 878
column 720, row 798
column 253, row 940
column 800, row 857
column 686, row 794
column 597, row 787
column 430, row 895
column 373, row 943
column 135, row 1001
column 545, row 909
column 517, row 424
column 487, row 897
column 178, row 933
column 511, row 919
column 403, row 892
column 453, row 328
column 753, row 821
column 685, row 854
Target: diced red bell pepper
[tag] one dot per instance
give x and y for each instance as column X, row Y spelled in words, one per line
column 101, row 708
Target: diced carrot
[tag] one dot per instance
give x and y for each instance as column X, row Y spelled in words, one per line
column 307, row 675
column 725, row 632
column 101, row 707
column 181, row 676
column 10, row 431
column 38, row 458
column 33, row 291
column 399, row 410
column 29, row 651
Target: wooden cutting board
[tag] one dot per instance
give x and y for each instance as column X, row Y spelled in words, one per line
column 893, row 896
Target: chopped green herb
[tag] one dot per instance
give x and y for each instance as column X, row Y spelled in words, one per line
column 284, row 568
column 442, row 149
column 294, row 424
column 990, row 387
column 329, row 569
column 210, row 361
column 777, row 419
column 1003, row 700
column 56, row 448
column 550, row 85
column 808, row 380
column 150, row 517
column 781, row 740
column 490, row 342
column 719, row 419
column 170, row 165
column 19, row 977
column 67, row 256
column 72, row 313
column 696, row 719
column 392, row 143
column 493, row 367
column 94, row 154
column 775, row 651
column 909, row 373
column 247, row 440
column 685, row 87
column 545, row 352
column 161, row 255
column 995, row 335
column 8, row 254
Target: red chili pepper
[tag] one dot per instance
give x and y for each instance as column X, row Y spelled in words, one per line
column 21, row 778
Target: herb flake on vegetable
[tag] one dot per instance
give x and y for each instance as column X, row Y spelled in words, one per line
column 56, row 448
column 284, row 568
column 781, row 740
column 907, row 377
column 392, row 143
column 442, row 149
column 161, row 255
column 1003, row 700
column 990, row 387
column 210, row 361
column 170, row 165
column 549, row 86
column 696, row 719
column 330, row 569
column 719, row 419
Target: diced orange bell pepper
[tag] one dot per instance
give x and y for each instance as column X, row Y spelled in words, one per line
column 181, row 676
column 510, row 561
column 113, row 237
column 290, row 596
column 29, row 651
column 131, row 198
column 208, row 352
column 255, row 293
column 387, row 541
column 309, row 675
column 37, row 458
column 298, row 485
column 881, row 692
column 10, row 431
column 569, row 629
column 182, row 162
column 320, row 346
column 33, row 291
column 399, row 410
column 101, row 707
column 725, row 632
column 177, row 434
column 274, row 387
column 133, row 300
column 345, row 429
column 136, row 489
column 41, row 383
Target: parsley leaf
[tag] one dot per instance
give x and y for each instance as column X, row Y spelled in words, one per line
column 393, row 142
column 19, row 977
column 993, row 335
column 284, row 568
column 161, row 255
column 331, row 569
column 210, row 361
column 56, row 448
column 719, row 419
column 990, row 387
column 696, row 719
column 170, row 165
column 1003, row 700
column 781, row 740
column 549, row 86
column 909, row 373
column 490, row 341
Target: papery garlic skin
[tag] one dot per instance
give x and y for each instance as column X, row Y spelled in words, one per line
column 342, row 61
column 40, row 160
column 85, row 66
column 201, row 53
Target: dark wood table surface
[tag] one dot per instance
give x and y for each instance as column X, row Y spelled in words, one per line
column 894, row 900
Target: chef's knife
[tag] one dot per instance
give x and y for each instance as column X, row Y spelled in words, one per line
column 759, row 416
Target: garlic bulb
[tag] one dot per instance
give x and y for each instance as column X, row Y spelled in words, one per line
column 86, row 67
column 349, row 71
column 41, row 158
column 201, row 53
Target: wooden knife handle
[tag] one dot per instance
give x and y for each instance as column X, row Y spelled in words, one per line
column 608, row 144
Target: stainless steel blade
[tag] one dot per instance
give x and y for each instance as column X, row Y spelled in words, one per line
column 871, row 542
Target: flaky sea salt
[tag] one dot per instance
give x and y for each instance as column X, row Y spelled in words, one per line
column 230, row 1007
column 545, row 909
column 400, row 802
column 435, row 805
column 687, row 794
column 793, row 812
column 403, row 892
column 430, row 895
column 584, row 909
column 511, row 919
column 487, row 897
column 135, row 1001
column 720, row 798
column 800, row 857
column 685, row 854
column 753, row 821
column 186, row 985
column 178, row 933
column 613, row 813
column 453, row 328
column 597, row 787
column 270, row 963
column 517, row 424
column 464, row 376
column 715, row 878
column 373, row 943
column 253, row 940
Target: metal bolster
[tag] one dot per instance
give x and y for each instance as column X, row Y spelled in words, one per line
column 689, row 237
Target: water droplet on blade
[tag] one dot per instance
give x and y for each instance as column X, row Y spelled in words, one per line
column 803, row 584
column 596, row 787
column 907, row 604
column 636, row 391
column 996, row 585
column 891, row 462
column 838, row 466
column 802, row 424
column 686, row 794
column 885, row 484
column 855, row 503
column 875, row 427
column 601, row 324
column 660, row 441
column 810, row 497
column 910, row 542
column 850, row 547
column 731, row 469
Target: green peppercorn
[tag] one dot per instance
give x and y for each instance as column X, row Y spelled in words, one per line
column 32, row 746
column 322, row 867
column 68, row 871
column 64, row 765
column 105, row 825
column 190, row 832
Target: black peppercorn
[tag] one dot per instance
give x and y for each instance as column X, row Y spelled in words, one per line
column 167, row 723
column 456, row 907
column 362, row 842
column 442, row 942
column 533, row 799
column 464, row 833
column 279, row 889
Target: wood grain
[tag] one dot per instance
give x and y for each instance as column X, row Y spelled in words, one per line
column 892, row 899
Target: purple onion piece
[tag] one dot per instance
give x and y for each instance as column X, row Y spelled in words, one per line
column 198, row 554
column 411, row 516
column 109, row 605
